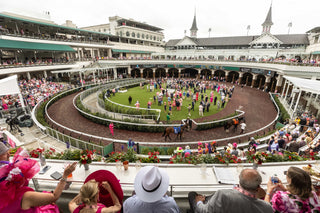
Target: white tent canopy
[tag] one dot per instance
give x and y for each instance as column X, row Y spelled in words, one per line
column 9, row 86
column 307, row 85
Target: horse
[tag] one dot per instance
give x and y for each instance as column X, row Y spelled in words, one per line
column 170, row 130
column 234, row 122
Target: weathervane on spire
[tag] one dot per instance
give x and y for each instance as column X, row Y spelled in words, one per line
column 289, row 27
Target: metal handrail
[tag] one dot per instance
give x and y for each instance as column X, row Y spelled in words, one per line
column 102, row 105
column 127, row 83
column 141, row 108
column 221, row 120
column 34, row 112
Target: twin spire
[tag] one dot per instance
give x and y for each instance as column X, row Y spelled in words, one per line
column 266, row 24
column 194, row 28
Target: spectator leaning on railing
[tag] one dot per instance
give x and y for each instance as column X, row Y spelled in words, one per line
column 15, row 194
column 243, row 198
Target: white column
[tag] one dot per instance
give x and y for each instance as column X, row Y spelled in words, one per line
column 94, row 76
column 129, row 71
column 28, row 75
column 295, row 108
column 254, row 78
column 92, row 53
column 115, row 74
column 284, row 87
column 99, row 53
column 109, row 53
column 287, row 91
column 79, row 54
column 21, row 100
column 45, row 74
column 294, row 95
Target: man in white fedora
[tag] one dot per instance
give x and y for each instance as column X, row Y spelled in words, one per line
column 151, row 185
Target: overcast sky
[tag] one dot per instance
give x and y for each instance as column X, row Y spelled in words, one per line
column 224, row 17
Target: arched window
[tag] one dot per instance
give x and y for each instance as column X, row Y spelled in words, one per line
column 147, row 36
column 127, row 34
column 133, row 34
column 154, row 37
column 138, row 35
column 142, row 36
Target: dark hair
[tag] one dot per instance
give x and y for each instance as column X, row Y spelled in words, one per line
column 300, row 183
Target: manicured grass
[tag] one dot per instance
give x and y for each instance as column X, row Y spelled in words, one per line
column 143, row 96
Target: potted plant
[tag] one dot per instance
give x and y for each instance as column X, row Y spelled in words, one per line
column 86, row 157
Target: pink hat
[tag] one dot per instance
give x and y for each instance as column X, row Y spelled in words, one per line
column 235, row 145
column 104, row 196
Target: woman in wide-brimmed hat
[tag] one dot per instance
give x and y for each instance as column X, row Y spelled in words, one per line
column 15, row 194
column 102, row 186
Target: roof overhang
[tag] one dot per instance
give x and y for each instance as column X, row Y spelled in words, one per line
column 23, row 45
column 306, row 85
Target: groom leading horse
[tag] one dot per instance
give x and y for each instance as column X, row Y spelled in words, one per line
column 176, row 130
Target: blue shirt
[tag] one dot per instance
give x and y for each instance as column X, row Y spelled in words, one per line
column 165, row 205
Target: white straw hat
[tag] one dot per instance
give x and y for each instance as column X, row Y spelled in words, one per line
column 151, row 184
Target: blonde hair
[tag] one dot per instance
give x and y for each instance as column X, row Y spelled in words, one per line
column 89, row 192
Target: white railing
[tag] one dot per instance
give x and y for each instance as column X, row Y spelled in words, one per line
column 142, row 143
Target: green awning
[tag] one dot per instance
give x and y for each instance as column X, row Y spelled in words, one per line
column 232, row 68
column 129, row 51
column 52, row 25
column 316, row 53
column 23, row 45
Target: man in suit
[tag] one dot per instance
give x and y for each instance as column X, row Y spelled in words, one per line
column 241, row 199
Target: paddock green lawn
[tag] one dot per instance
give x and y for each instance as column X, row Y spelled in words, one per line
column 142, row 95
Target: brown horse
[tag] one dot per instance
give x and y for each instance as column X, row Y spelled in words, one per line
column 170, row 130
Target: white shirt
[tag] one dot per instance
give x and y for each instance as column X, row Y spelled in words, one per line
column 243, row 125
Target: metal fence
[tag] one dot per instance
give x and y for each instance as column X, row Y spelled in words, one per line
column 116, row 106
column 269, row 126
column 81, row 144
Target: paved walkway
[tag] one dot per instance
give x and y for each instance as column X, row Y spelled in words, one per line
column 33, row 138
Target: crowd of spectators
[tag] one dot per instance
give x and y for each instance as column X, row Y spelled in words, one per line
column 34, row 90
column 32, row 61
column 150, row 192
column 175, row 91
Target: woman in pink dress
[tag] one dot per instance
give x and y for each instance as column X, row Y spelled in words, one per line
column 15, row 194
column 111, row 128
